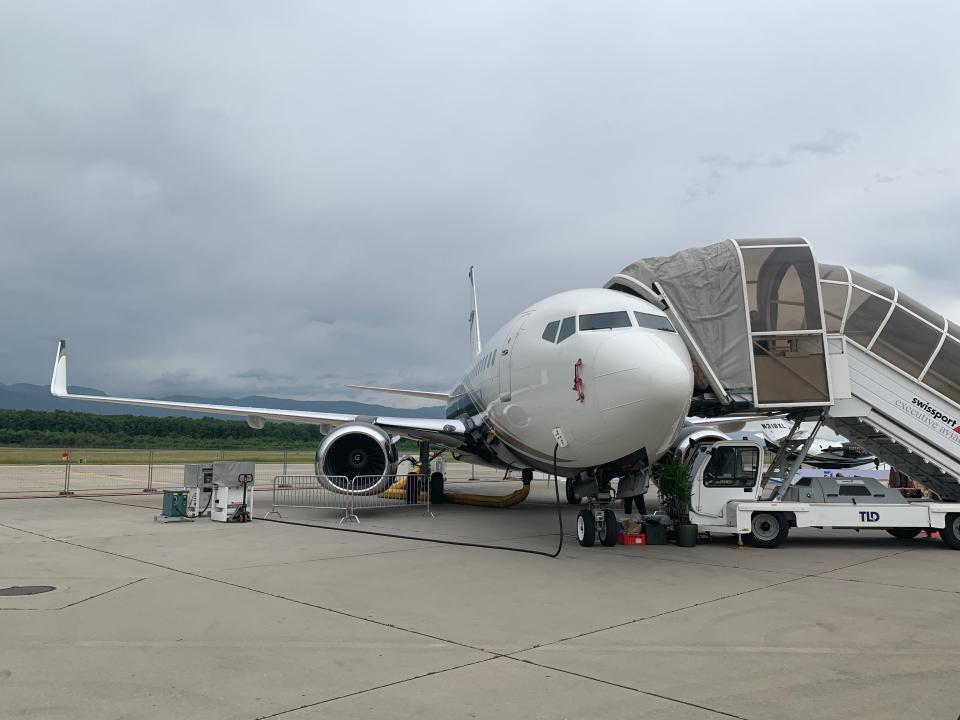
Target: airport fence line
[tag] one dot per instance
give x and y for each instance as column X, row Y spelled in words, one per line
column 67, row 471
column 346, row 496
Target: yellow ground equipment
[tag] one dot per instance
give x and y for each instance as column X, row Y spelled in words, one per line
column 398, row 490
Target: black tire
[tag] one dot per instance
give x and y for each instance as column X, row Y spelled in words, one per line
column 768, row 529
column 951, row 533
column 586, row 528
column 572, row 493
column 608, row 538
column 904, row 533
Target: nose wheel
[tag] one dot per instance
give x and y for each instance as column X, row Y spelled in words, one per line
column 596, row 523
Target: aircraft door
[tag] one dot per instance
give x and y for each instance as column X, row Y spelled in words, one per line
column 506, row 359
column 731, row 473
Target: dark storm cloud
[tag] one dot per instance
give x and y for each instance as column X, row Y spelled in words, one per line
column 285, row 197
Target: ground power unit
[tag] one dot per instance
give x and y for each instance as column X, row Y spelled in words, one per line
column 232, row 491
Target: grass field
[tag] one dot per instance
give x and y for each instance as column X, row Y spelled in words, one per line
column 53, row 456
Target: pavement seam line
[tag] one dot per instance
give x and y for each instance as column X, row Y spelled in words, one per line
column 865, row 562
column 633, row 689
column 883, row 584
column 76, row 602
column 259, row 592
column 378, row 687
column 705, row 602
column 322, row 559
column 653, row 617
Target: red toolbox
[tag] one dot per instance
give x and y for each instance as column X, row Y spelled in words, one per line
column 631, row 538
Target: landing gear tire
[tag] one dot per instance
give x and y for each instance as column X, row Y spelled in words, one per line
column 571, row 493
column 904, row 533
column 586, row 528
column 951, row 533
column 609, row 536
column 768, row 530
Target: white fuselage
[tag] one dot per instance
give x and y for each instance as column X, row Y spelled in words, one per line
column 636, row 382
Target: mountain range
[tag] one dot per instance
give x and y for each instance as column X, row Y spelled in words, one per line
column 26, row 396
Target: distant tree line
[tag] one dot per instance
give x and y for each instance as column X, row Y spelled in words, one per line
column 33, row 428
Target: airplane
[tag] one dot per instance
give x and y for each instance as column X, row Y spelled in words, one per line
column 592, row 384
column 826, row 452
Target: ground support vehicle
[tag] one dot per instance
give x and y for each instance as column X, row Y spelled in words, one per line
column 727, row 481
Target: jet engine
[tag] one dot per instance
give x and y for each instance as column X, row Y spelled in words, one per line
column 360, row 452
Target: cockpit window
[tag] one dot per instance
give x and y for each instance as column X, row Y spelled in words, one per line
column 605, row 321
column 567, row 328
column 654, row 322
column 550, row 333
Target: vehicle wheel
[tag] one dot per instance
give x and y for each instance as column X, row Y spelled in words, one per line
column 571, row 493
column 586, row 528
column 767, row 530
column 609, row 536
column 951, row 533
column 904, row 533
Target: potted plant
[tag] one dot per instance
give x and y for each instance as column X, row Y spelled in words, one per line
column 674, row 492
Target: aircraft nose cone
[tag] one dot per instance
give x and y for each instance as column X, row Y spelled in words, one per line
column 642, row 379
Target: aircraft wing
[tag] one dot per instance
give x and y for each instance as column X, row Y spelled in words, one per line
column 443, row 432
column 426, row 394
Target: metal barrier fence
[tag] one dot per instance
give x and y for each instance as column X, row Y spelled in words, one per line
column 349, row 495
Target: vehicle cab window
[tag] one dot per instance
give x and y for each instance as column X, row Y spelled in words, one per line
column 550, row 332
column 567, row 328
column 853, row 491
column 732, row 467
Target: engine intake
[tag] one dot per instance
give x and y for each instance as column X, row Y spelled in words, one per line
column 360, row 452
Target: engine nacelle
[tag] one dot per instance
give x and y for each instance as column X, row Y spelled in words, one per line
column 360, row 452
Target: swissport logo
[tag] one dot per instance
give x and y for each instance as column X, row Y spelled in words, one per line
column 933, row 417
column 936, row 413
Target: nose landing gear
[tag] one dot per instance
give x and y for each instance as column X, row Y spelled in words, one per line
column 597, row 520
column 593, row 523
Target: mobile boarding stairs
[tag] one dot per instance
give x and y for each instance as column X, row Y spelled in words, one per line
column 770, row 330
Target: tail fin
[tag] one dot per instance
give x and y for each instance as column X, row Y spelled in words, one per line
column 58, row 382
column 474, row 318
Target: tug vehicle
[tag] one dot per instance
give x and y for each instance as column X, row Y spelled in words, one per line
column 727, row 485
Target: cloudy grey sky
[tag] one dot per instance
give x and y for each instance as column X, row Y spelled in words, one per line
column 227, row 197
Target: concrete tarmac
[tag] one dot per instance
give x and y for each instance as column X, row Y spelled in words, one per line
column 272, row 620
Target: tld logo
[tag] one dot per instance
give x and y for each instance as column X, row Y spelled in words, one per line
column 869, row 516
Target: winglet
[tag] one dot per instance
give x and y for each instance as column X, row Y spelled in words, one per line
column 58, row 383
